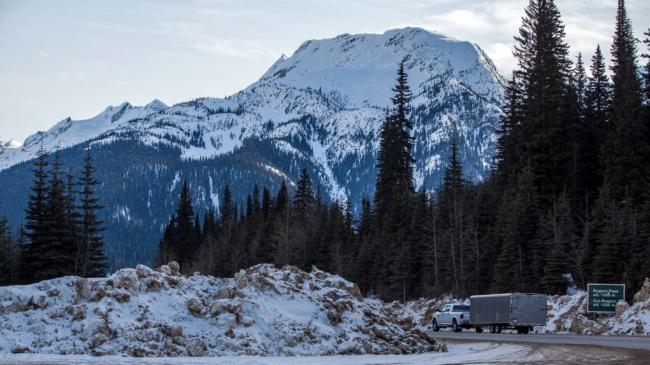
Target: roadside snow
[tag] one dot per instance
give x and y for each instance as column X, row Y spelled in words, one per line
column 459, row 353
column 568, row 314
column 261, row 311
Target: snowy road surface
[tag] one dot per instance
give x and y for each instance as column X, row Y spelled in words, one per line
column 624, row 342
column 459, row 353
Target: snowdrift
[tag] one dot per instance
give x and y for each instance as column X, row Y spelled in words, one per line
column 260, row 311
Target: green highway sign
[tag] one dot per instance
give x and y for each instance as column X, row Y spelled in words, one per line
column 602, row 298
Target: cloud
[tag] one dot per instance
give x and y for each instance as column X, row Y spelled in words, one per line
column 232, row 48
column 493, row 25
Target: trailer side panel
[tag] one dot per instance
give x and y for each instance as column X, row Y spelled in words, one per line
column 490, row 309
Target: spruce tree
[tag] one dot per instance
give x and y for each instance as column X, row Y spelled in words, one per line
column 34, row 260
column 6, row 253
column 60, row 243
column 394, row 190
column 544, row 68
column 265, row 251
column 91, row 226
column 557, row 237
column 303, row 200
column 184, row 248
column 625, row 166
column 282, row 239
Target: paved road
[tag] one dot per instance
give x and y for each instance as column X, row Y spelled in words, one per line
column 625, row 342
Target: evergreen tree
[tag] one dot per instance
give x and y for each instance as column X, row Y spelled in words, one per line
column 60, row 243
column 625, row 166
column 303, row 212
column 394, row 190
column 182, row 248
column 265, row 251
column 544, row 68
column 282, row 240
column 451, row 218
column 557, row 237
column 613, row 238
column 506, row 158
column 34, row 259
column 91, row 226
column 303, row 200
column 6, row 253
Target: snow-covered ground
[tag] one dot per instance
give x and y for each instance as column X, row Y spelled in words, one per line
column 261, row 311
column 459, row 353
column 277, row 313
column 568, row 314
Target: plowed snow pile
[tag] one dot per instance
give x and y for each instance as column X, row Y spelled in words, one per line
column 568, row 314
column 261, row 311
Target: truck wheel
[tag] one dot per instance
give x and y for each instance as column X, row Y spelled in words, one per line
column 525, row 330
column 455, row 327
column 436, row 328
column 479, row 329
column 520, row 330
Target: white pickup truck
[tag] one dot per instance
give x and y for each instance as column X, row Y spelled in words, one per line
column 455, row 316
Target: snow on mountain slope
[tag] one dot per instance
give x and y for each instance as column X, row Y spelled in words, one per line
column 345, row 84
column 361, row 68
column 260, row 311
column 68, row 132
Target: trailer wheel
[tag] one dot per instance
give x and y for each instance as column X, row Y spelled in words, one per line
column 479, row 329
column 499, row 328
column 455, row 327
column 493, row 328
column 436, row 328
column 525, row 330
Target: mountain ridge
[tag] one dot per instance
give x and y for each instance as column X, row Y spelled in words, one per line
column 320, row 109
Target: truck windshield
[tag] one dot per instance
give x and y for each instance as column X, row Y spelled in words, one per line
column 461, row 308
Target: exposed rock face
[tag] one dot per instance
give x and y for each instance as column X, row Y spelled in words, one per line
column 261, row 311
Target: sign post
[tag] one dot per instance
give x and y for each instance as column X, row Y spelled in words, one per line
column 602, row 298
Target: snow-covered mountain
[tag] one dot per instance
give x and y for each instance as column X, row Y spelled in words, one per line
column 320, row 109
column 6, row 143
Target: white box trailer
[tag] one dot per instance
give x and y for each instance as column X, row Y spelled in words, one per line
column 520, row 311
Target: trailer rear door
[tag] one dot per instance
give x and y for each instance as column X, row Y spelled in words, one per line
column 528, row 309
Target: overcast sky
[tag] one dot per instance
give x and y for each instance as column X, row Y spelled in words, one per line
column 74, row 57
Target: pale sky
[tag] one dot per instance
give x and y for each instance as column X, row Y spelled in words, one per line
column 75, row 57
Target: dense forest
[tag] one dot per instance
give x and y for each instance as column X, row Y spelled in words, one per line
column 566, row 203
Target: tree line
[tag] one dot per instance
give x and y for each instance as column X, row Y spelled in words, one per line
column 62, row 234
column 566, row 201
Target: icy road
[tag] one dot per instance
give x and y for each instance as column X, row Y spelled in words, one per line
column 459, row 353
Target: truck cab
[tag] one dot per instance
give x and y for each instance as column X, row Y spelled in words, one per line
column 456, row 316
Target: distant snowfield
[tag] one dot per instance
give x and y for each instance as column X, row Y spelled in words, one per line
column 475, row 353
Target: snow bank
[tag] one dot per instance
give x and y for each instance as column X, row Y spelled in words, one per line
column 568, row 314
column 261, row 311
